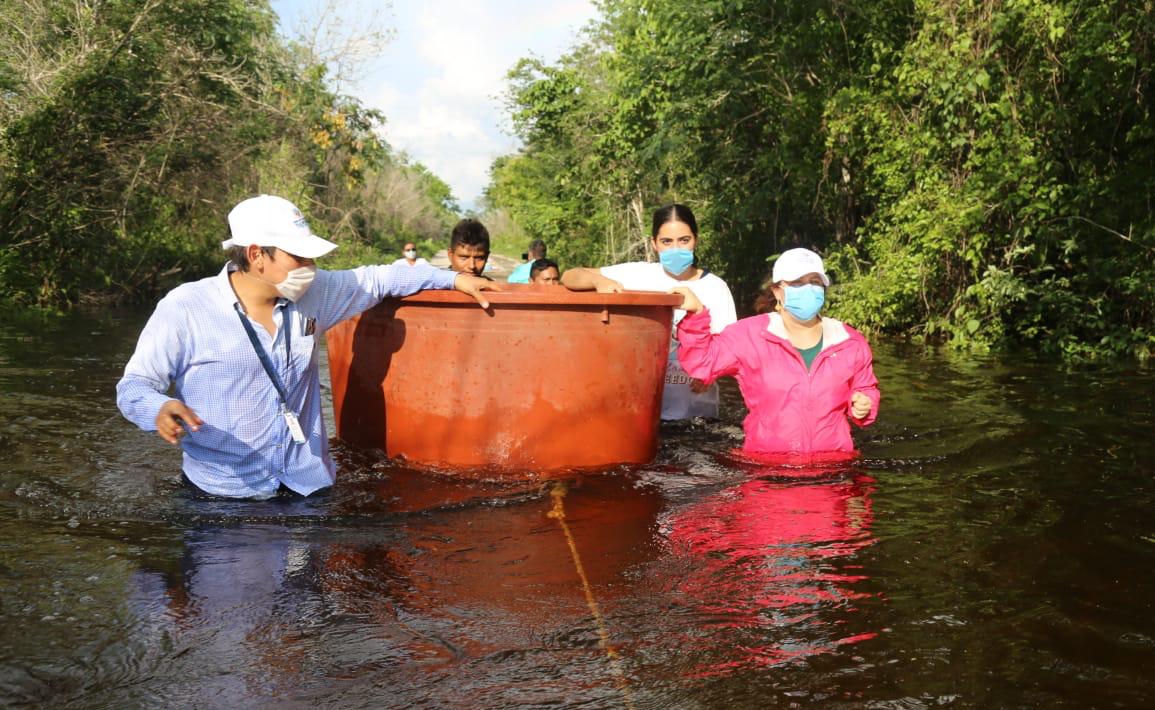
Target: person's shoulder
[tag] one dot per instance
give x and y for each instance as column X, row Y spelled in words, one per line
column 646, row 266
column 828, row 322
column 711, row 284
column 855, row 334
column 857, row 344
column 639, row 276
column 752, row 329
column 713, row 280
column 195, row 291
column 750, row 324
column 835, row 326
column 633, row 270
column 757, row 323
column 189, row 301
column 770, row 323
column 715, row 294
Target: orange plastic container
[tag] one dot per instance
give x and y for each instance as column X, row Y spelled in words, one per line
column 547, row 379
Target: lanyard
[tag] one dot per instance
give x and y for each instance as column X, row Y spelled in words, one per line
column 264, row 357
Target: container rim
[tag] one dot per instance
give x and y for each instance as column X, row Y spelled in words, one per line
column 541, row 294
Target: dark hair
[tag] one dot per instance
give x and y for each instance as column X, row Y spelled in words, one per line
column 541, row 265
column 765, row 302
column 537, row 247
column 237, row 255
column 471, row 233
column 674, row 213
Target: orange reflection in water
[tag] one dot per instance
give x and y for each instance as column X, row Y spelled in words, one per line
column 484, row 593
column 494, row 577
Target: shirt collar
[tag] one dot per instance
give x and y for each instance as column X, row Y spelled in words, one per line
column 225, row 289
column 833, row 331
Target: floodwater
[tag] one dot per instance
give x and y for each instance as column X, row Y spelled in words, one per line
column 994, row 547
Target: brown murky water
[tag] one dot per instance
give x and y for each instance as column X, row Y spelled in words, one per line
column 993, row 548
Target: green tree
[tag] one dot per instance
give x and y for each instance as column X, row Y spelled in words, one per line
column 1008, row 163
column 119, row 119
column 977, row 171
column 129, row 127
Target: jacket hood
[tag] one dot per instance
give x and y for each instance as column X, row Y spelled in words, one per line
column 833, row 331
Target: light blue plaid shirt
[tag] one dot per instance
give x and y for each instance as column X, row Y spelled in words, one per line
column 195, row 343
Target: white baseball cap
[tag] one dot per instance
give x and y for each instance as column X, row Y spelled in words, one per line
column 796, row 263
column 271, row 221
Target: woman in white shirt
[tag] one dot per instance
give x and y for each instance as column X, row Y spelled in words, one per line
column 675, row 236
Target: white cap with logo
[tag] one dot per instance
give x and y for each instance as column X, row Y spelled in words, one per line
column 796, row 263
column 271, row 221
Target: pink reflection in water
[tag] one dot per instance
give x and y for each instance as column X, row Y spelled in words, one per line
column 771, row 568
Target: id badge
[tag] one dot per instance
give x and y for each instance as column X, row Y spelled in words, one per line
column 294, row 426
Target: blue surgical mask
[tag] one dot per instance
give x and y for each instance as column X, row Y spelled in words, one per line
column 804, row 301
column 676, row 261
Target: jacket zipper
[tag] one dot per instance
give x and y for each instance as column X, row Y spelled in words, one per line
column 822, row 356
column 806, row 424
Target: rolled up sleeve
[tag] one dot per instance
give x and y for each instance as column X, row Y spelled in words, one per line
column 338, row 295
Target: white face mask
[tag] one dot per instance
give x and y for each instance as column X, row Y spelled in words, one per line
column 411, row 254
column 297, row 282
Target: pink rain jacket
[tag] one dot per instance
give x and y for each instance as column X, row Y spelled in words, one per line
column 798, row 416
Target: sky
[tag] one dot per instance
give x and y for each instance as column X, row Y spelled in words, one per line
column 440, row 81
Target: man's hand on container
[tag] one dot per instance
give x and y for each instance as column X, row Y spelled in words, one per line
column 473, row 286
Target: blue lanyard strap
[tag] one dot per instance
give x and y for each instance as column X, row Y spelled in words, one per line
column 263, row 356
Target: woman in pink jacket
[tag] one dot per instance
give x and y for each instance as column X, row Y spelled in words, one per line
column 804, row 377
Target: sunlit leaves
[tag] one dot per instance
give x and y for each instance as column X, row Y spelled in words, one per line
column 977, row 171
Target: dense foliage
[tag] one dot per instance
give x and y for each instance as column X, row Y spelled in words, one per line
column 978, row 171
column 128, row 128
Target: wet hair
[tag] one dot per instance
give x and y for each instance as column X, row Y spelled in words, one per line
column 541, row 265
column 674, row 213
column 237, row 256
column 469, row 232
column 537, row 249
